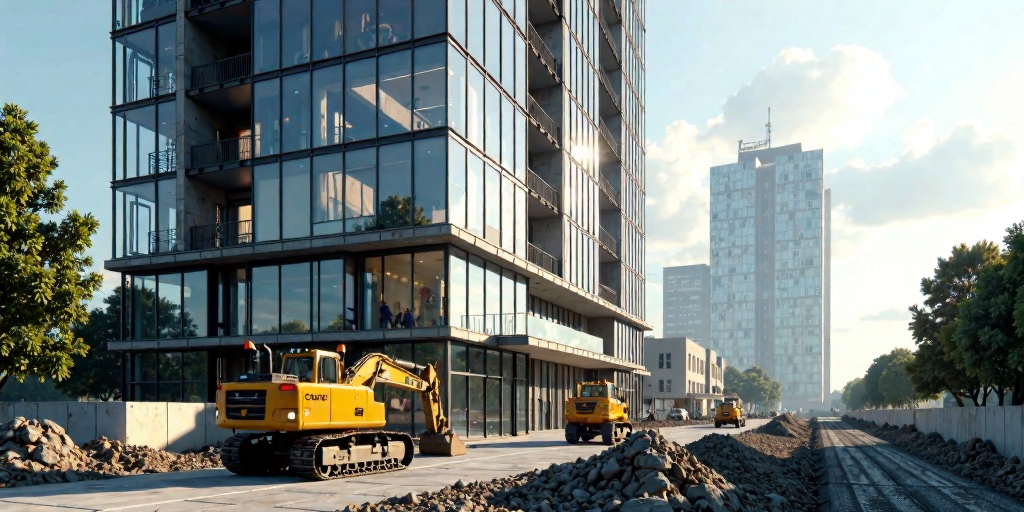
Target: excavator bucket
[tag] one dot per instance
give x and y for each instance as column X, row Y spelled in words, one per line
column 446, row 444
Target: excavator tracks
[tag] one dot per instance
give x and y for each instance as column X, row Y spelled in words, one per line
column 252, row 454
column 382, row 451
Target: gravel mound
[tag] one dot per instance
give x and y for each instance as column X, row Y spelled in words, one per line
column 645, row 473
column 34, row 452
column 975, row 459
column 786, row 425
column 778, row 469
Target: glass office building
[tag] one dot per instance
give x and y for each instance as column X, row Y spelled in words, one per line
column 770, row 269
column 686, row 301
column 285, row 169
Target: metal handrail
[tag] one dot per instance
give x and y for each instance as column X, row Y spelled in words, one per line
column 610, row 139
column 608, row 37
column 222, row 151
column 541, row 187
column 225, row 234
column 163, row 241
column 607, row 293
column 164, row 84
column 539, row 257
column 607, row 81
column 163, row 161
column 542, row 50
column 221, row 71
column 543, row 119
column 608, row 240
column 609, row 190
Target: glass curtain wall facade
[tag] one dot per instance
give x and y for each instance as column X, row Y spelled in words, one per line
column 372, row 119
column 769, row 268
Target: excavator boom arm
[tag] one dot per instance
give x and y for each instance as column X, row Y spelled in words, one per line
column 374, row 368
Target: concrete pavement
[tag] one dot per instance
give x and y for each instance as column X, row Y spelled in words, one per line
column 216, row 489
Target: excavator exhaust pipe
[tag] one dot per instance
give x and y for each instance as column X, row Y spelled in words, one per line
column 446, row 444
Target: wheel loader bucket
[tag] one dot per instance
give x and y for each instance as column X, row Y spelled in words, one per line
column 446, row 444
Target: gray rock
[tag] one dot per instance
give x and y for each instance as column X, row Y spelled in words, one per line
column 776, row 500
column 646, row 505
column 70, row 476
column 679, row 502
column 53, row 427
column 595, row 475
column 611, row 506
column 45, row 455
column 708, row 493
column 580, row 495
column 611, row 469
column 28, row 434
column 631, row 489
column 5, row 436
column 410, row 499
column 655, row 483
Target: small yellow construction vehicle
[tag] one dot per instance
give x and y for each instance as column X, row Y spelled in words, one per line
column 318, row 420
column 598, row 408
column 730, row 412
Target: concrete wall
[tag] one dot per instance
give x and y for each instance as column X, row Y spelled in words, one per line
column 1004, row 426
column 164, row 425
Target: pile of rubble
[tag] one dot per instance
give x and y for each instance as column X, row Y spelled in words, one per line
column 975, row 459
column 775, row 462
column 645, row 473
column 34, row 452
column 645, row 425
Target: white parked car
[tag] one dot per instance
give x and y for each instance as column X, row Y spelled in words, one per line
column 678, row 414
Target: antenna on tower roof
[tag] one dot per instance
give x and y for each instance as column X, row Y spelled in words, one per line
column 767, row 143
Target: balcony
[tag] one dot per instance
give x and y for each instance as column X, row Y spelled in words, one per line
column 163, row 161
column 607, row 294
column 222, row 152
column 607, row 32
column 541, row 50
column 218, row 236
column 163, row 241
column 495, row 325
column 612, row 93
column 546, row 192
column 615, row 8
column 608, row 241
column 222, row 71
column 609, row 190
column 160, row 85
column 540, row 328
column 610, row 140
column 543, row 120
column 542, row 259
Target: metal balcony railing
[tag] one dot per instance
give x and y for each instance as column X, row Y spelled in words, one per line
column 610, row 139
column 160, row 85
column 607, row 82
column 163, row 241
column 607, row 294
column 542, row 50
column 163, row 161
column 539, row 257
column 225, row 234
column 543, row 119
column 222, row 151
column 608, row 240
column 195, row 4
column 610, row 40
column 541, row 187
column 224, row 70
column 609, row 190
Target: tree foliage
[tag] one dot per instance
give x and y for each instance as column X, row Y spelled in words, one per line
column 888, row 384
column 938, row 365
column 753, row 385
column 42, row 263
column 98, row 373
column 854, row 396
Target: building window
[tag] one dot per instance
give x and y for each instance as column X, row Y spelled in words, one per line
column 668, row 386
column 661, row 386
column 661, row 360
column 167, row 306
column 668, row 360
column 167, row 377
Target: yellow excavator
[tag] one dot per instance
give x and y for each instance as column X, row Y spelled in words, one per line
column 318, row 420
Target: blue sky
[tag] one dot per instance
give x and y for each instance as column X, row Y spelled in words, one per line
column 880, row 85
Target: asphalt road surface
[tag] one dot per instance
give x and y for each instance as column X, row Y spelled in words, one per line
column 868, row 474
column 217, row 489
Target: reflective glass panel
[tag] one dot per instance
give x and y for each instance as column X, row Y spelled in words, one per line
column 475, row 195
column 360, row 189
column 398, row 289
column 328, row 194
column 457, row 91
column 428, row 17
column 267, row 35
column 296, row 296
column 169, row 307
column 395, row 164
column 196, row 310
column 265, row 300
column 295, row 177
column 327, row 107
column 328, row 34
column 332, row 297
column 295, row 33
column 295, row 112
column 457, row 183
column 428, row 289
column 395, row 21
column 267, row 202
column 429, row 179
column 457, row 291
column 360, row 100
column 360, row 25
column 267, row 117
column 395, row 101
column 492, row 228
column 428, row 100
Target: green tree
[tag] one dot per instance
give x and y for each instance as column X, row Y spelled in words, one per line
column 757, row 387
column 42, row 263
column 98, row 373
column 732, row 380
column 395, row 212
column 986, row 335
column 854, row 396
column 938, row 365
column 894, row 382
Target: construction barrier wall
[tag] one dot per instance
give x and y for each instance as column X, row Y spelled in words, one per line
column 169, row 426
column 1003, row 425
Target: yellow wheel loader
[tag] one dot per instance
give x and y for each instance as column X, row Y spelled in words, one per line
column 598, row 409
column 318, row 420
column 730, row 412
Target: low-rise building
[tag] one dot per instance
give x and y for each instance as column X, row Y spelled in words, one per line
column 683, row 374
